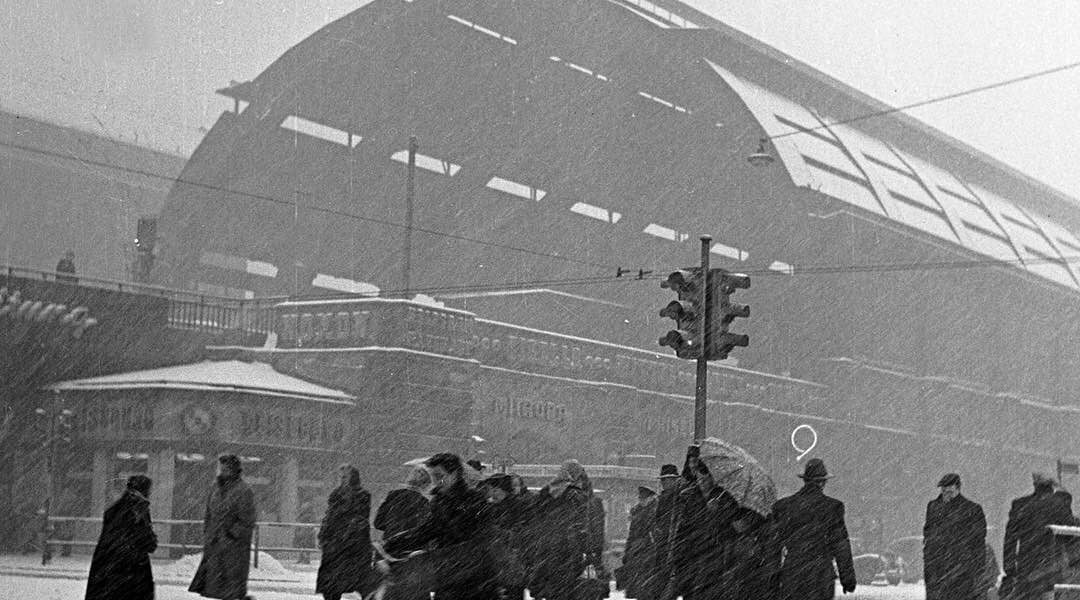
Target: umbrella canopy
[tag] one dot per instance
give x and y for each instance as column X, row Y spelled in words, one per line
column 740, row 474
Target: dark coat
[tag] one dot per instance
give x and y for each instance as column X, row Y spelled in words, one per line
column 594, row 526
column 662, row 530
column 1033, row 559
column 402, row 510
column 639, row 563
column 227, row 529
column 561, row 541
column 810, row 529
column 457, row 537
column 120, row 568
column 345, row 539
column 509, row 522
column 694, row 551
column 954, row 549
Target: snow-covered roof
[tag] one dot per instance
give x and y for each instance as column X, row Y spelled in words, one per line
column 221, row 376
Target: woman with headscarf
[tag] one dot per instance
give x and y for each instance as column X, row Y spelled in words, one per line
column 405, row 508
column 345, row 538
column 120, row 568
column 561, row 535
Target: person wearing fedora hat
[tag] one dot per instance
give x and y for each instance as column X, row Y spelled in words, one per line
column 638, row 560
column 665, row 506
column 810, row 535
column 954, row 544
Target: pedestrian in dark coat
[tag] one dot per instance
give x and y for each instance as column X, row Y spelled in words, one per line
column 65, row 269
column 405, row 508
column 638, row 559
column 686, row 534
column 227, row 530
column 455, row 534
column 561, row 538
column 507, row 518
column 954, row 545
column 345, row 538
column 120, row 568
column 1030, row 557
column 662, row 529
column 693, row 549
column 811, row 534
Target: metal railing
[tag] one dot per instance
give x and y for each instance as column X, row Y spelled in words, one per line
column 187, row 310
column 186, row 543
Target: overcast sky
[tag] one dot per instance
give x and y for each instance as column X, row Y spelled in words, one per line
column 147, row 69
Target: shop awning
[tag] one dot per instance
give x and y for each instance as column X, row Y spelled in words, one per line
column 223, row 376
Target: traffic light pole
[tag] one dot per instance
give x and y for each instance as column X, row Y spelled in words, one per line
column 702, row 379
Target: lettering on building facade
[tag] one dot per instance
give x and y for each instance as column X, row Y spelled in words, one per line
column 114, row 418
column 292, row 428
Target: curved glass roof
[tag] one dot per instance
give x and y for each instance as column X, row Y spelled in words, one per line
column 853, row 167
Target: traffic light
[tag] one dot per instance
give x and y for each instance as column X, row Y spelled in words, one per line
column 724, row 311
column 688, row 312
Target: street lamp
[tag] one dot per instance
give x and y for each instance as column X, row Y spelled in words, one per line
column 59, row 428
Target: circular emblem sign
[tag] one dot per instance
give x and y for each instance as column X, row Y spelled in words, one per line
column 197, row 420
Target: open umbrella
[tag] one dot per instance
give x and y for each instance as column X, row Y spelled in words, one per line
column 740, row 474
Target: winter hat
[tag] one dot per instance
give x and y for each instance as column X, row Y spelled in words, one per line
column 669, row 470
column 500, row 481
column 949, row 479
column 815, row 471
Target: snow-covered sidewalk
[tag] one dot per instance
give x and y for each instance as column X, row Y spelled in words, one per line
column 270, row 576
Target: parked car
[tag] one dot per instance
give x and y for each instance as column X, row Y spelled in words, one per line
column 877, row 566
column 909, row 550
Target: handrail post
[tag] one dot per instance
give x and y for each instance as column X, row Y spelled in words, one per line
column 256, row 545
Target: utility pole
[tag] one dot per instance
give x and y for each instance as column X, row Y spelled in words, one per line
column 410, row 193
column 702, row 380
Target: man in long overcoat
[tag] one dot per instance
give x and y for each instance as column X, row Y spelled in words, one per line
column 227, row 530
column 456, row 534
column 120, row 568
column 345, row 538
column 954, row 545
column 662, row 529
column 560, row 525
column 638, row 558
column 811, row 534
column 1030, row 558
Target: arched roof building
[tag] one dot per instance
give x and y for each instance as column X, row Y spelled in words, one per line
column 559, row 142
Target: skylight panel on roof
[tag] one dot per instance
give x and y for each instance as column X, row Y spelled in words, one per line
column 428, row 163
column 596, row 212
column 341, row 284
column 318, row 130
column 729, row 251
column 782, row 267
column 664, row 102
column 516, row 189
column 578, row 68
column 666, row 233
column 1038, row 255
column 911, row 202
column 258, row 267
column 981, row 232
column 483, row 30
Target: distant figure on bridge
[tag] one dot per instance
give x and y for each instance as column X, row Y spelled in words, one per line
column 227, row 530
column 120, row 568
column 345, row 539
column 954, row 545
column 811, row 535
column 1030, row 558
column 65, row 269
